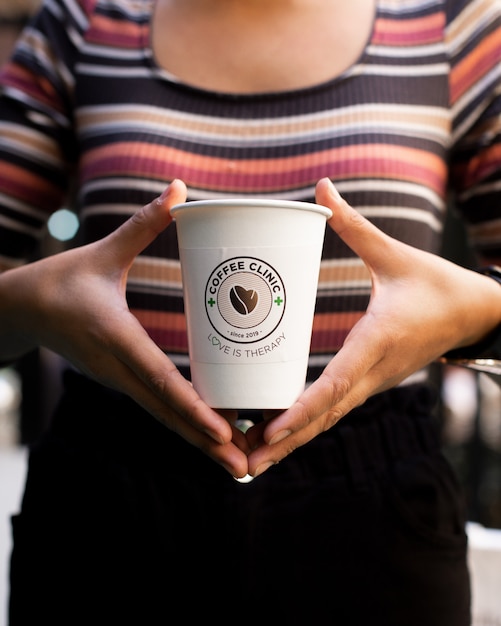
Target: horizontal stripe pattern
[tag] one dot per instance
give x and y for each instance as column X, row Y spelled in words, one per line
column 420, row 100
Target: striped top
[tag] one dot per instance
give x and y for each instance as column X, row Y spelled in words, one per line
column 413, row 123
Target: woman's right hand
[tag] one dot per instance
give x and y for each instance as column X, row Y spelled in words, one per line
column 74, row 304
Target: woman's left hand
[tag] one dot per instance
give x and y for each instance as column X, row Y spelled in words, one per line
column 421, row 306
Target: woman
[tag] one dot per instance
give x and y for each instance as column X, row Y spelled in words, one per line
column 355, row 516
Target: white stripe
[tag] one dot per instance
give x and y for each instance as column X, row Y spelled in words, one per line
column 469, row 25
column 391, row 186
column 23, row 208
column 480, row 190
column 435, row 69
column 42, row 113
column 462, row 104
column 403, row 213
column 122, row 183
column 74, row 7
column 409, row 52
column 19, row 228
column 125, row 210
column 106, row 52
column 20, row 148
column 113, row 71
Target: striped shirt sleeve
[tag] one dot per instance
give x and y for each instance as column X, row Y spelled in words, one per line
column 474, row 44
column 37, row 143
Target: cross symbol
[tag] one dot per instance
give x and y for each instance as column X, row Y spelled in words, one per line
column 278, row 301
column 211, row 302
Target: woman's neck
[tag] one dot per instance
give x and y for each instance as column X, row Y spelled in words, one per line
column 254, row 46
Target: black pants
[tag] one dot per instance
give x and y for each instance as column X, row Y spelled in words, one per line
column 122, row 522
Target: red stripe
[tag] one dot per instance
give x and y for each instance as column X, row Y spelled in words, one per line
column 108, row 31
column 411, row 32
column 384, row 161
column 478, row 63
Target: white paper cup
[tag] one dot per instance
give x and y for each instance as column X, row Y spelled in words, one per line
column 250, row 274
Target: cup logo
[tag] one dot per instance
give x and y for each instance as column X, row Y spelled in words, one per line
column 245, row 299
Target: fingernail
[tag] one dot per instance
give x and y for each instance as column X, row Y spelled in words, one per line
column 165, row 192
column 282, row 434
column 214, row 436
column 163, row 197
column 245, row 479
column 262, row 468
column 333, row 190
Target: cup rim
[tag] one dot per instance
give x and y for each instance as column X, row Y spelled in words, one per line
column 256, row 203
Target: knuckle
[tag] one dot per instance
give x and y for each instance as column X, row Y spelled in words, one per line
column 335, row 388
column 139, row 217
column 334, row 414
column 157, row 384
column 290, row 447
column 356, row 218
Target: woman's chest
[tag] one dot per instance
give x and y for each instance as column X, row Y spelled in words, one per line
column 377, row 123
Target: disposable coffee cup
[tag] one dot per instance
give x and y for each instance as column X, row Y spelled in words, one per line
column 250, row 275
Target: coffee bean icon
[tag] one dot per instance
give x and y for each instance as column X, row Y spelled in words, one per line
column 244, row 300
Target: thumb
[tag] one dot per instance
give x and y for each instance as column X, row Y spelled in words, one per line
column 142, row 228
column 368, row 242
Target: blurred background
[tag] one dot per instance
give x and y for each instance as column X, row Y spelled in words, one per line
column 469, row 410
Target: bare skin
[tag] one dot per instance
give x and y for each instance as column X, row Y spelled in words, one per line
column 421, row 306
column 74, row 303
column 236, row 47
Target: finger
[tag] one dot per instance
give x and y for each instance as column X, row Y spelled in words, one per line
column 364, row 238
column 182, row 411
column 359, row 354
column 134, row 348
column 265, row 455
column 146, row 224
column 332, row 396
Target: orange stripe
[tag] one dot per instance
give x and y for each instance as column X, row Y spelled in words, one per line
column 332, row 321
column 362, row 153
column 40, row 90
column 142, row 269
column 466, row 73
column 160, row 319
column 411, row 30
column 344, row 273
column 355, row 161
column 105, row 29
column 22, row 184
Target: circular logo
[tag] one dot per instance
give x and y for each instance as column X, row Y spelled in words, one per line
column 244, row 299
